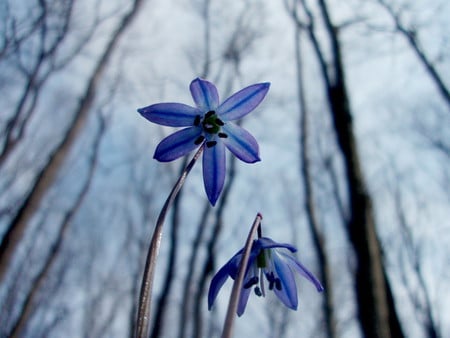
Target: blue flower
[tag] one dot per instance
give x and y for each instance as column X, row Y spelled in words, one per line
column 267, row 258
column 208, row 124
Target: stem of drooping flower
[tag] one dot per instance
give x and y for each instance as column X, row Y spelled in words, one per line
column 143, row 318
column 237, row 286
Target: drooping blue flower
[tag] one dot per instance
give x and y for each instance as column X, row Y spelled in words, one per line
column 270, row 260
column 208, row 124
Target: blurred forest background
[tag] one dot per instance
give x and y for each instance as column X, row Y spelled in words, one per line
column 355, row 146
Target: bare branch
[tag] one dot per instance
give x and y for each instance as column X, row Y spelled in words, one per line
column 411, row 36
column 48, row 174
column 25, row 313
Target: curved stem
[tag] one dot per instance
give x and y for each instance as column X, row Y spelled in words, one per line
column 143, row 319
column 237, row 286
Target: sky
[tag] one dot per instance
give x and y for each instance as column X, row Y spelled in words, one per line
column 395, row 105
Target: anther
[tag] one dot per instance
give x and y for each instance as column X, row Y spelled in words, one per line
column 209, row 114
column 210, row 144
column 258, row 291
column 272, row 280
column 197, row 120
column 223, row 135
column 199, row 140
column 219, row 122
column 278, row 284
column 252, row 281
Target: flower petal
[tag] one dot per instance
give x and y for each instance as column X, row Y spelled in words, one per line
column 214, row 171
column 243, row 300
column 170, row 114
column 217, row 282
column 250, row 273
column 267, row 243
column 177, row 144
column 302, row 270
column 288, row 292
column 205, row 94
column 241, row 143
column 242, row 102
column 234, row 263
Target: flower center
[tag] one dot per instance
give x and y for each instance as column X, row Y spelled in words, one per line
column 211, row 124
column 261, row 260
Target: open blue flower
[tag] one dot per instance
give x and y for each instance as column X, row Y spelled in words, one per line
column 208, row 124
column 267, row 258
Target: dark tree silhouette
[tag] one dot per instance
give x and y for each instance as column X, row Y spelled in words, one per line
column 411, row 36
column 48, row 173
column 305, row 173
column 39, row 280
column 376, row 311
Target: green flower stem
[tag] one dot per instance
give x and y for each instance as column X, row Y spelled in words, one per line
column 143, row 318
column 237, row 286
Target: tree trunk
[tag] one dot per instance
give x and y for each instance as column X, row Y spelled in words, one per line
column 375, row 303
column 313, row 222
column 48, row 174
column 376, row 310
column 26, row 311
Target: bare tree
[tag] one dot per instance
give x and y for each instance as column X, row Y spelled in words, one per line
column 310, row 208
column 419, row 294
column 49, row 30
column 50, row 38
column 48, row 173
column 412, row 37
column 376, row 311
column 24, row 315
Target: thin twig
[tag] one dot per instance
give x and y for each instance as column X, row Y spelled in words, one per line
column 237, row 286
column 143, row 319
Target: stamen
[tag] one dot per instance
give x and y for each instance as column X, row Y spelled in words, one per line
column 223, row 135
column 258, row 291
column 252, row 281
column 209, row 114
column 219, row 122
column 261, row 284
column 278, row 284
column 199, row 140
column 197, row 120
column 210, row 144
column 271, row 278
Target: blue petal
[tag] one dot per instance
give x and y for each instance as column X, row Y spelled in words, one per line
column 177, row 144
column 234, row 264
column 241, row 143
column 214, row 171
column 242, row 102
column 288, row 292
column 243, row 300
column 231, row 269
column 251, row 271
column 267, row 243
column 217, row 282
column 302, row 270
column 204, row 94
column 170, row 114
